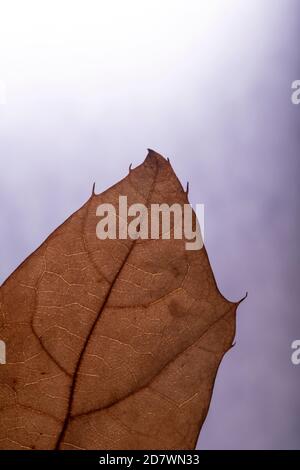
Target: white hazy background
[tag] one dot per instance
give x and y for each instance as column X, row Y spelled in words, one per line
column 87, row 86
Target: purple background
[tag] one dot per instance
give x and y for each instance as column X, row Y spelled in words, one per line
column 90, row 85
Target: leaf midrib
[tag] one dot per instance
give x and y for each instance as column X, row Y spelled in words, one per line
column 104, row 303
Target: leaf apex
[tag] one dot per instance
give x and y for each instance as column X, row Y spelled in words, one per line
column 153, row 155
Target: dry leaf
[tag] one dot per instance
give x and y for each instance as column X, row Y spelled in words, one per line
column 111, row 344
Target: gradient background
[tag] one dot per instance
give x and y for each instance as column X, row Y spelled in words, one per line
column 90, row 85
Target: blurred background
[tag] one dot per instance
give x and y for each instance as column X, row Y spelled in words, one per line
column 87, row 86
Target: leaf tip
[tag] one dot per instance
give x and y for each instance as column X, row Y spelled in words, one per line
column 152, row 155
column 245, row 297
column 156, row 160
column 231, row 346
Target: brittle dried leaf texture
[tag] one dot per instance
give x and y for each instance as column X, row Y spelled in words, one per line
column 112, row 344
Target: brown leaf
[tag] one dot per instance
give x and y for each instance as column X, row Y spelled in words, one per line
column 111, row 344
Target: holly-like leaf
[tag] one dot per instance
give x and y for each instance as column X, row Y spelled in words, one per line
column 112, row 344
